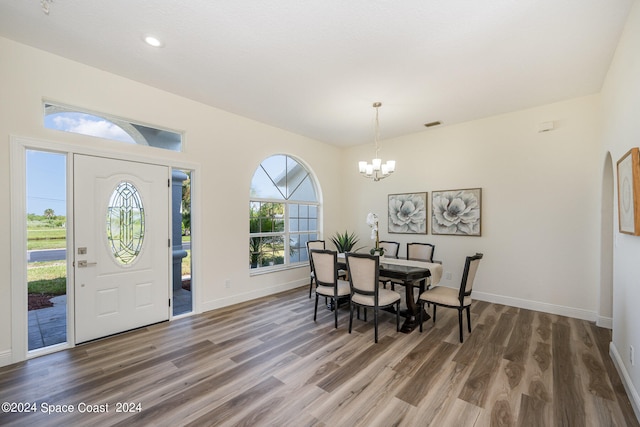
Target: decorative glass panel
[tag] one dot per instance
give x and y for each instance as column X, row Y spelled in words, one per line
column 125, row 223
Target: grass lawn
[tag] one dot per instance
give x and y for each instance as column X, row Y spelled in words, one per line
column 47, row 278
column 46, row 238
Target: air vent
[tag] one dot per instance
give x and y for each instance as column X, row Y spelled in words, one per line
column 432, row 124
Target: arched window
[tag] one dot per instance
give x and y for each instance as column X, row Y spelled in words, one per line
column 283, row 213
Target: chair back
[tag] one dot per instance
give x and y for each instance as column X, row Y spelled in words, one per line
column 314, row 244
column 468, row 275
column 363, row 273
column 390, row 248
column 325, row 263
column 420, row 251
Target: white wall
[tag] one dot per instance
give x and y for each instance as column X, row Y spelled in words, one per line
column 621, row 132
column 228, row 147
column 540, row 201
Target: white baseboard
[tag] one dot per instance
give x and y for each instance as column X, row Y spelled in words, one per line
column 604, row 322
column 544, row 307
column 626, row 379
column 6, row 358
column 238, row 298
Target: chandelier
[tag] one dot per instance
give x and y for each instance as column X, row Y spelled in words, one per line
column 377, row 170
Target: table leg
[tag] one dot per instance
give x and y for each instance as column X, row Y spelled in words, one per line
column 411, row 320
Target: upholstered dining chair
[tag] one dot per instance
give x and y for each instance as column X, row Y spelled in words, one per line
column 420, row 251
column 325, row 268
column 460, row 299
column 313, row 244
column 364, row 277
column 390, row 250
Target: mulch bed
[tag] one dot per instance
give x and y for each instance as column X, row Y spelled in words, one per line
column 38, row 301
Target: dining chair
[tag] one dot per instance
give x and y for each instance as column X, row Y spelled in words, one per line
column 365, row 291
column 420, row 251
column 390, row 250
column 459, row 299
column 325, row 267
column 417, row 251
column 313, row 244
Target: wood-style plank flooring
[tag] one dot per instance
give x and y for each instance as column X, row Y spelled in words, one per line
column 266, row 363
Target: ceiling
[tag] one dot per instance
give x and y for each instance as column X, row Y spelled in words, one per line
column 316, row 67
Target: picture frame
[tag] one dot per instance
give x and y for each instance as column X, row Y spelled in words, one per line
column 407, row 213
column 457, row 212
column 629, row 192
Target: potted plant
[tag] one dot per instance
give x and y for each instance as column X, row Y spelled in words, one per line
column 372, row 221
column 345, row 242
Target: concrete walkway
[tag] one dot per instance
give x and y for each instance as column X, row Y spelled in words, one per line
column 48, row 326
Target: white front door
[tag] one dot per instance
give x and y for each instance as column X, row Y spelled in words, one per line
column 121, row 245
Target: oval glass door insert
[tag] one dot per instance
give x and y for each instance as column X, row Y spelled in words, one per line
column 125, row 223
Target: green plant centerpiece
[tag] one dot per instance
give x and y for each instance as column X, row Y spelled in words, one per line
column 345, row 242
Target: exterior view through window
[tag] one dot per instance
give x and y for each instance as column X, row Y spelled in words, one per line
column 77, row 120
column 46, row 248
column 283, row 213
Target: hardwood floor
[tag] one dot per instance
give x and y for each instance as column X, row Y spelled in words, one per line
column 266, row 363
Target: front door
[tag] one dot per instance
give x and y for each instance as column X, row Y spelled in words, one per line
column 121, row 245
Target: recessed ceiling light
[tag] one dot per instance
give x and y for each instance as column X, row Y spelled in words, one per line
column 152, row 41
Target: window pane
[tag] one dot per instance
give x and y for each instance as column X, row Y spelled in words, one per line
column 313, row 224
column 262, row 187
column 305, row 192
column 293, row 225
column 77, row 120
column 304, row 224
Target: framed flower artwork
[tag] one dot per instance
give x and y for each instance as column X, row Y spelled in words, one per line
column 628, row 193
column 408, row 213
column 456, row 212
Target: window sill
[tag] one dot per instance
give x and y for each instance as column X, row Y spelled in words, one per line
column 276, row 268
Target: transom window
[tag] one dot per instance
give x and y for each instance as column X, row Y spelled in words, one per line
column 77, row 120
column 283, row 213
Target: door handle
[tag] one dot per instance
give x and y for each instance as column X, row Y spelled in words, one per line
column 84, row 263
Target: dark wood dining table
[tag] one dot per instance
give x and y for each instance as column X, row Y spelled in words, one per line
column 412, row 274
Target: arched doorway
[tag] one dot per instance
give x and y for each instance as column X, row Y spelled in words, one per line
column 605, row 305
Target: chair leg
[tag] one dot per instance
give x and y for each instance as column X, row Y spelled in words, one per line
column 434, row 313
column 420, row 308
column 310, row 287
column 351, row 315
column 469, row 318
column 335, row 311
column 315, row 310
column 460, row 322
column 375, row 322
column 398, row 316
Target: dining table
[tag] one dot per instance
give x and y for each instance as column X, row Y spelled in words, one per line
column 412, row 273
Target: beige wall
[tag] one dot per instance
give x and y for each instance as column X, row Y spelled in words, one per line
column 540, row 203
column 228, row 148
column 541, row 198
column 621, row 132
